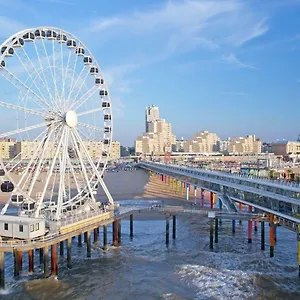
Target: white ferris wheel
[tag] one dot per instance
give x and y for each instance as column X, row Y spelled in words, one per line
column 56, row 125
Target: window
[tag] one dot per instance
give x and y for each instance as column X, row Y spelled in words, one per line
column 21, row 228
column 37, row 226
column 5, row 226
column 31, row 228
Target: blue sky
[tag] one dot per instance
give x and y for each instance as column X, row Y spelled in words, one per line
column 230, row 67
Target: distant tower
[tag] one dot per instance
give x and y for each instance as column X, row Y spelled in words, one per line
column 152, row 114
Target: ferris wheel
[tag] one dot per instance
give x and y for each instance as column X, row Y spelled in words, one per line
column 56, row 127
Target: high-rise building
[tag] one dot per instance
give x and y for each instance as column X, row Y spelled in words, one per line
column 245, row 145
column 152, row 114
column 158, row 137
column 202, row 142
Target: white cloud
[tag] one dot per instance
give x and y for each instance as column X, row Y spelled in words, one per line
column 231, row 59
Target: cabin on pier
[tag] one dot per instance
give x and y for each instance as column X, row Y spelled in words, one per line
column 21, row 227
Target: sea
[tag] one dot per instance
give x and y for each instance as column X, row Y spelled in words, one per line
column 145, row 268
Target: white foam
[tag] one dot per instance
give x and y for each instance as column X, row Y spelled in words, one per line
column 221, row 284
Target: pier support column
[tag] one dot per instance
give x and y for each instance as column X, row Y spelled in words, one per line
column 61, row 248
column 69, row 253
column 298, row 239
column 255, row 225
column 241, row 208
column 211, row 233
column 30, row 261
column 85, row 237
column 211, row 200
column 46, row 261
column 262, row 235
column 233, row 226
column 20, row 260
column 195, row 194
column 187, row 191
column 54, row 263
column 167, row 230
column 104, row 237
column 216, row 230
column 88, row 243
column 202, row 198
column 16, row 263
column 41, row 256
column 119, row 232
column 272, row 241
column 80, row 240
column 115, row 233
column 174, row 228
column 275, row 233
column 220, row 209
column 95, row 235
column 250, row 226
column 2, row 272
column 131, row 226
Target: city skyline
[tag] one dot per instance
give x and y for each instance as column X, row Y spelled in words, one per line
column 229, row 67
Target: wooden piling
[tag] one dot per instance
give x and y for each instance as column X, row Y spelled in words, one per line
column 272, row 240
column 2, row 271
column 95, row 235
column 211, row 233
column 88, row 243
column 262, row 235
column 80, row 240
column 46, row 261
column 119, row 232
column 104, row 237
column 216, row 231
column 30, row 261
column 54, row 262
column 16, row 263
column 131, row 226
column 115, row 233
column 174, row 227
column 167, row 230
column 61, row 248
column 69, row 253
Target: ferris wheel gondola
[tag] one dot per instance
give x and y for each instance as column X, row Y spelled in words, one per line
column 63, row 123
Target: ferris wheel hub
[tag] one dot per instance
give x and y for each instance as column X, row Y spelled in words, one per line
column 71, row 118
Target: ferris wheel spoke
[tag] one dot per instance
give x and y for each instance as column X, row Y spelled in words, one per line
column 22, row 87
column 9, row 133
column 85, row 97
column 87, row 182
column 57, row 98
column 76, row 82
column 72, row 80
column 45, row 82
column 64, row 81
column 26, row 68
column 58, row 149
column 20, row 155
column 87, row 112
column 96, row 172
column 23, row 109
column 81, row 86
column 90, row 127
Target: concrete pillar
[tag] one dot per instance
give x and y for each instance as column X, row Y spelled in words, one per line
column 211, row 200
column 2, row 271
column 262, row 235
column 174, row 227
column 95, row 235
column 88, row 244
column 85, row 237
column 250, row 226
column 30, row 261
column 80, row 240
column 69, row 253
column 115, row 233
column 220, row 209
column 211, row 233
column 54, row 263
column 195, row 194
column 241, row 208
column 216, row 230
column 61, row 248
column 41, row 256
column 202, row 198
column 275, row 233
column 167, row 230
column 187, row 191
column 131, row 226
column 233, row 226
column 104, row 237
column 16, row 263
column 46, row 261
column 119, row 232
column 298, row 239
column 272, row 240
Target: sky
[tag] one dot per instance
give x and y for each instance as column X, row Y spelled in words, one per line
column 227, row 66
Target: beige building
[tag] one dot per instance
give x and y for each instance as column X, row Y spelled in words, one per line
column 115, row 152
column 202, row 142
column 95, row 149
column 26, row 149
column 7, row 148
column 285, row 148
column 244, row 145
column 158, row 138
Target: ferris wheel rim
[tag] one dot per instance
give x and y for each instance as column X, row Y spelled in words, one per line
column 9, row 42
